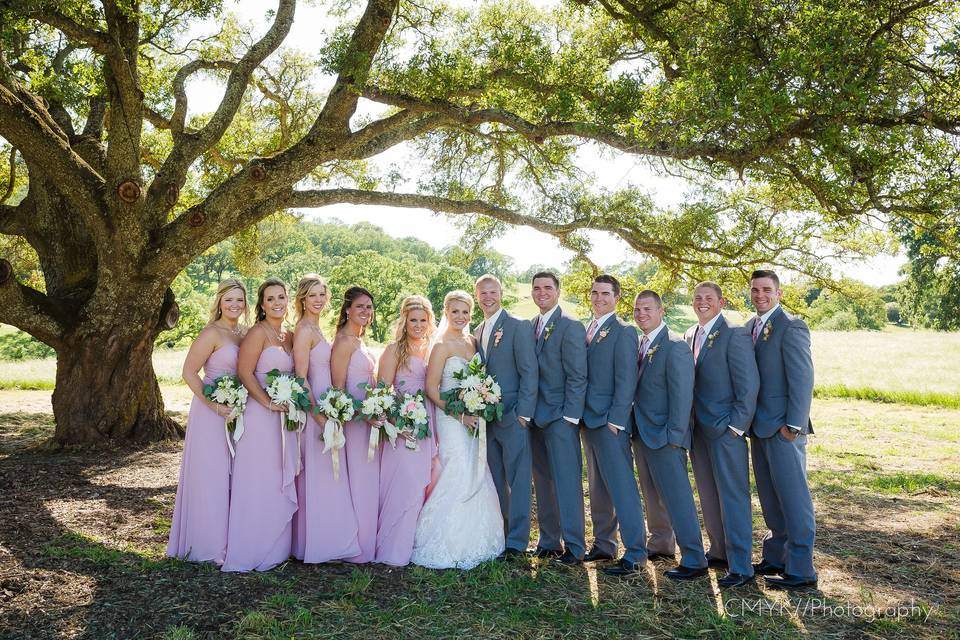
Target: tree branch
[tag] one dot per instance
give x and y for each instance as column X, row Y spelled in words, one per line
column 12, row 178
column 96, row 40
column 189, row 147
column 31, row 311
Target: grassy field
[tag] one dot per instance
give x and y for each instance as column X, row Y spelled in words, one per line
column 83, row 534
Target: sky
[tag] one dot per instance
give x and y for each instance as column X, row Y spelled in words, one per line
column 524, row 245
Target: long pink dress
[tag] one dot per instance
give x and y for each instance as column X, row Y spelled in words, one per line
column 263, row 495
column 364, row 476
column 325, row 527
column 404, row 476
column 198, row 531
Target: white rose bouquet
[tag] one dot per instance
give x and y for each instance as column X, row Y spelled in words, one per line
column 336, row 406
column 410, row 416
column 477, row 394
column 228, row 390
column 375, row 409
column 289, row 391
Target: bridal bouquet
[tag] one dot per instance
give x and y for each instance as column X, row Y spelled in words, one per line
column 336, row 406
column 375, row 408
column 410, row 416
column 290, row 391
column 476, row 394
column 228, row 390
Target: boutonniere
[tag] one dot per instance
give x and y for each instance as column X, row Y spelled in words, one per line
column 497, row 336
column 650, row 353
column 548, row 331
column 767, row 328
column 603, row 333
column 711, row 338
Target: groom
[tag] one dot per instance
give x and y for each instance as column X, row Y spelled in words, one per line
column 508, row 353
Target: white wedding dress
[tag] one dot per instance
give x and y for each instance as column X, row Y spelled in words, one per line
column 460, row 525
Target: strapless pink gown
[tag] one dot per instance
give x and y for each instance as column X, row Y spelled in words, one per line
column 198, row 530
column 263, row 495
column 325, row 527
column 364, row 476
column 404, row 476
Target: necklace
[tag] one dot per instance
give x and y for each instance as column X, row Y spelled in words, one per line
column 237, row 331
column 273, row 331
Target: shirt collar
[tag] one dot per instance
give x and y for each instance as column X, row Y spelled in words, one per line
column 492, row 320
column 653, row 334
column 603, row 318
column 549, row 314
column 767, row 315
column 709, row 326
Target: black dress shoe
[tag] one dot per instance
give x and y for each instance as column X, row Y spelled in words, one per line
column 716, row 563
column 569, row 559
column 788, row 581
column 623, row 569
column 685, row 573
column 509, row 554
column 541, row 552
column 595, row 555
column 653, row 557
column 734, row 580
column 765, row 568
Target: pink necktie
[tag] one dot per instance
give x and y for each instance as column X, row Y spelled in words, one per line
column 540, row 324
column 644, row 343
column 696, row 344
column 591, row 330
column 756, row 329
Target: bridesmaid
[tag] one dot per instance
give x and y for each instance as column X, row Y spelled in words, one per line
column 325, row 527
column 352, row 364
column 404, row 473
column 199, row 528
column 263, row 497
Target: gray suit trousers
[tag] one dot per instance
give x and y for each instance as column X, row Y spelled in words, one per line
column 508, row 455
column 721, row 468
column 780, row 468
column 557, row 473
column 612, row 478
column 660, row 538
column 668, row 468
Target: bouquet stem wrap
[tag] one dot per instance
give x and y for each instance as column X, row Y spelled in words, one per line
column 333, row 439
column 237, row 417
column 374, row 441
column 292, row 414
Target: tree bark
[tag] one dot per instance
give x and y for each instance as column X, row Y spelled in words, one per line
column 106, row 389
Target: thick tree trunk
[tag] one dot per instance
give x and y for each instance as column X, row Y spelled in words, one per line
column 106, row 389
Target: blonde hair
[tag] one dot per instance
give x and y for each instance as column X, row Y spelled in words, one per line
column 458, row 295
column 228, row 285
column 488, row 277
column 408, row 306
column 306, row 283
column 269, row 282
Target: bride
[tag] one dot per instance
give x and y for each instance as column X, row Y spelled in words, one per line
column 460, row 525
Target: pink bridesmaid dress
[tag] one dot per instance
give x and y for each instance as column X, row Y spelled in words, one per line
column 325, row 527
column 198, row 531
column 404, row 476
column 364, row 476
column 263, row 495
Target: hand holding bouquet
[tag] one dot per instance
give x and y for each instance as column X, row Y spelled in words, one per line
column 290, row 391
column 410, row 416
column 229, row 391
column 476, row 393
column 336, row 406
column 375, row 409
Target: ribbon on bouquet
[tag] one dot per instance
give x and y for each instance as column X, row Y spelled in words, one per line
column 333, row 439
column 293, row 414
column 237, row 417
column 481, row 465
column 391, row 432
column 412, row 443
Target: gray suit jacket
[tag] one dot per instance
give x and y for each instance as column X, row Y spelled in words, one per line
column 786, row 374
column 562, row 353
column 727, row 381
column 611, row 374
column 513, row 363
column 664, row 393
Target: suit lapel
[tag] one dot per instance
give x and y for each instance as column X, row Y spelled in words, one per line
column 719, row 327
column 492, row 340
column 772, row 324
column 478, row 335
column 600, row 329
column 541, row 340
column 653, row 345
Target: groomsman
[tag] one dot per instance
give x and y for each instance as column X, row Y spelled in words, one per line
column 611, row 380
column 779, row 434
column 507, row 351
column 724, row 401
column 557, row 464
column 661, row 427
